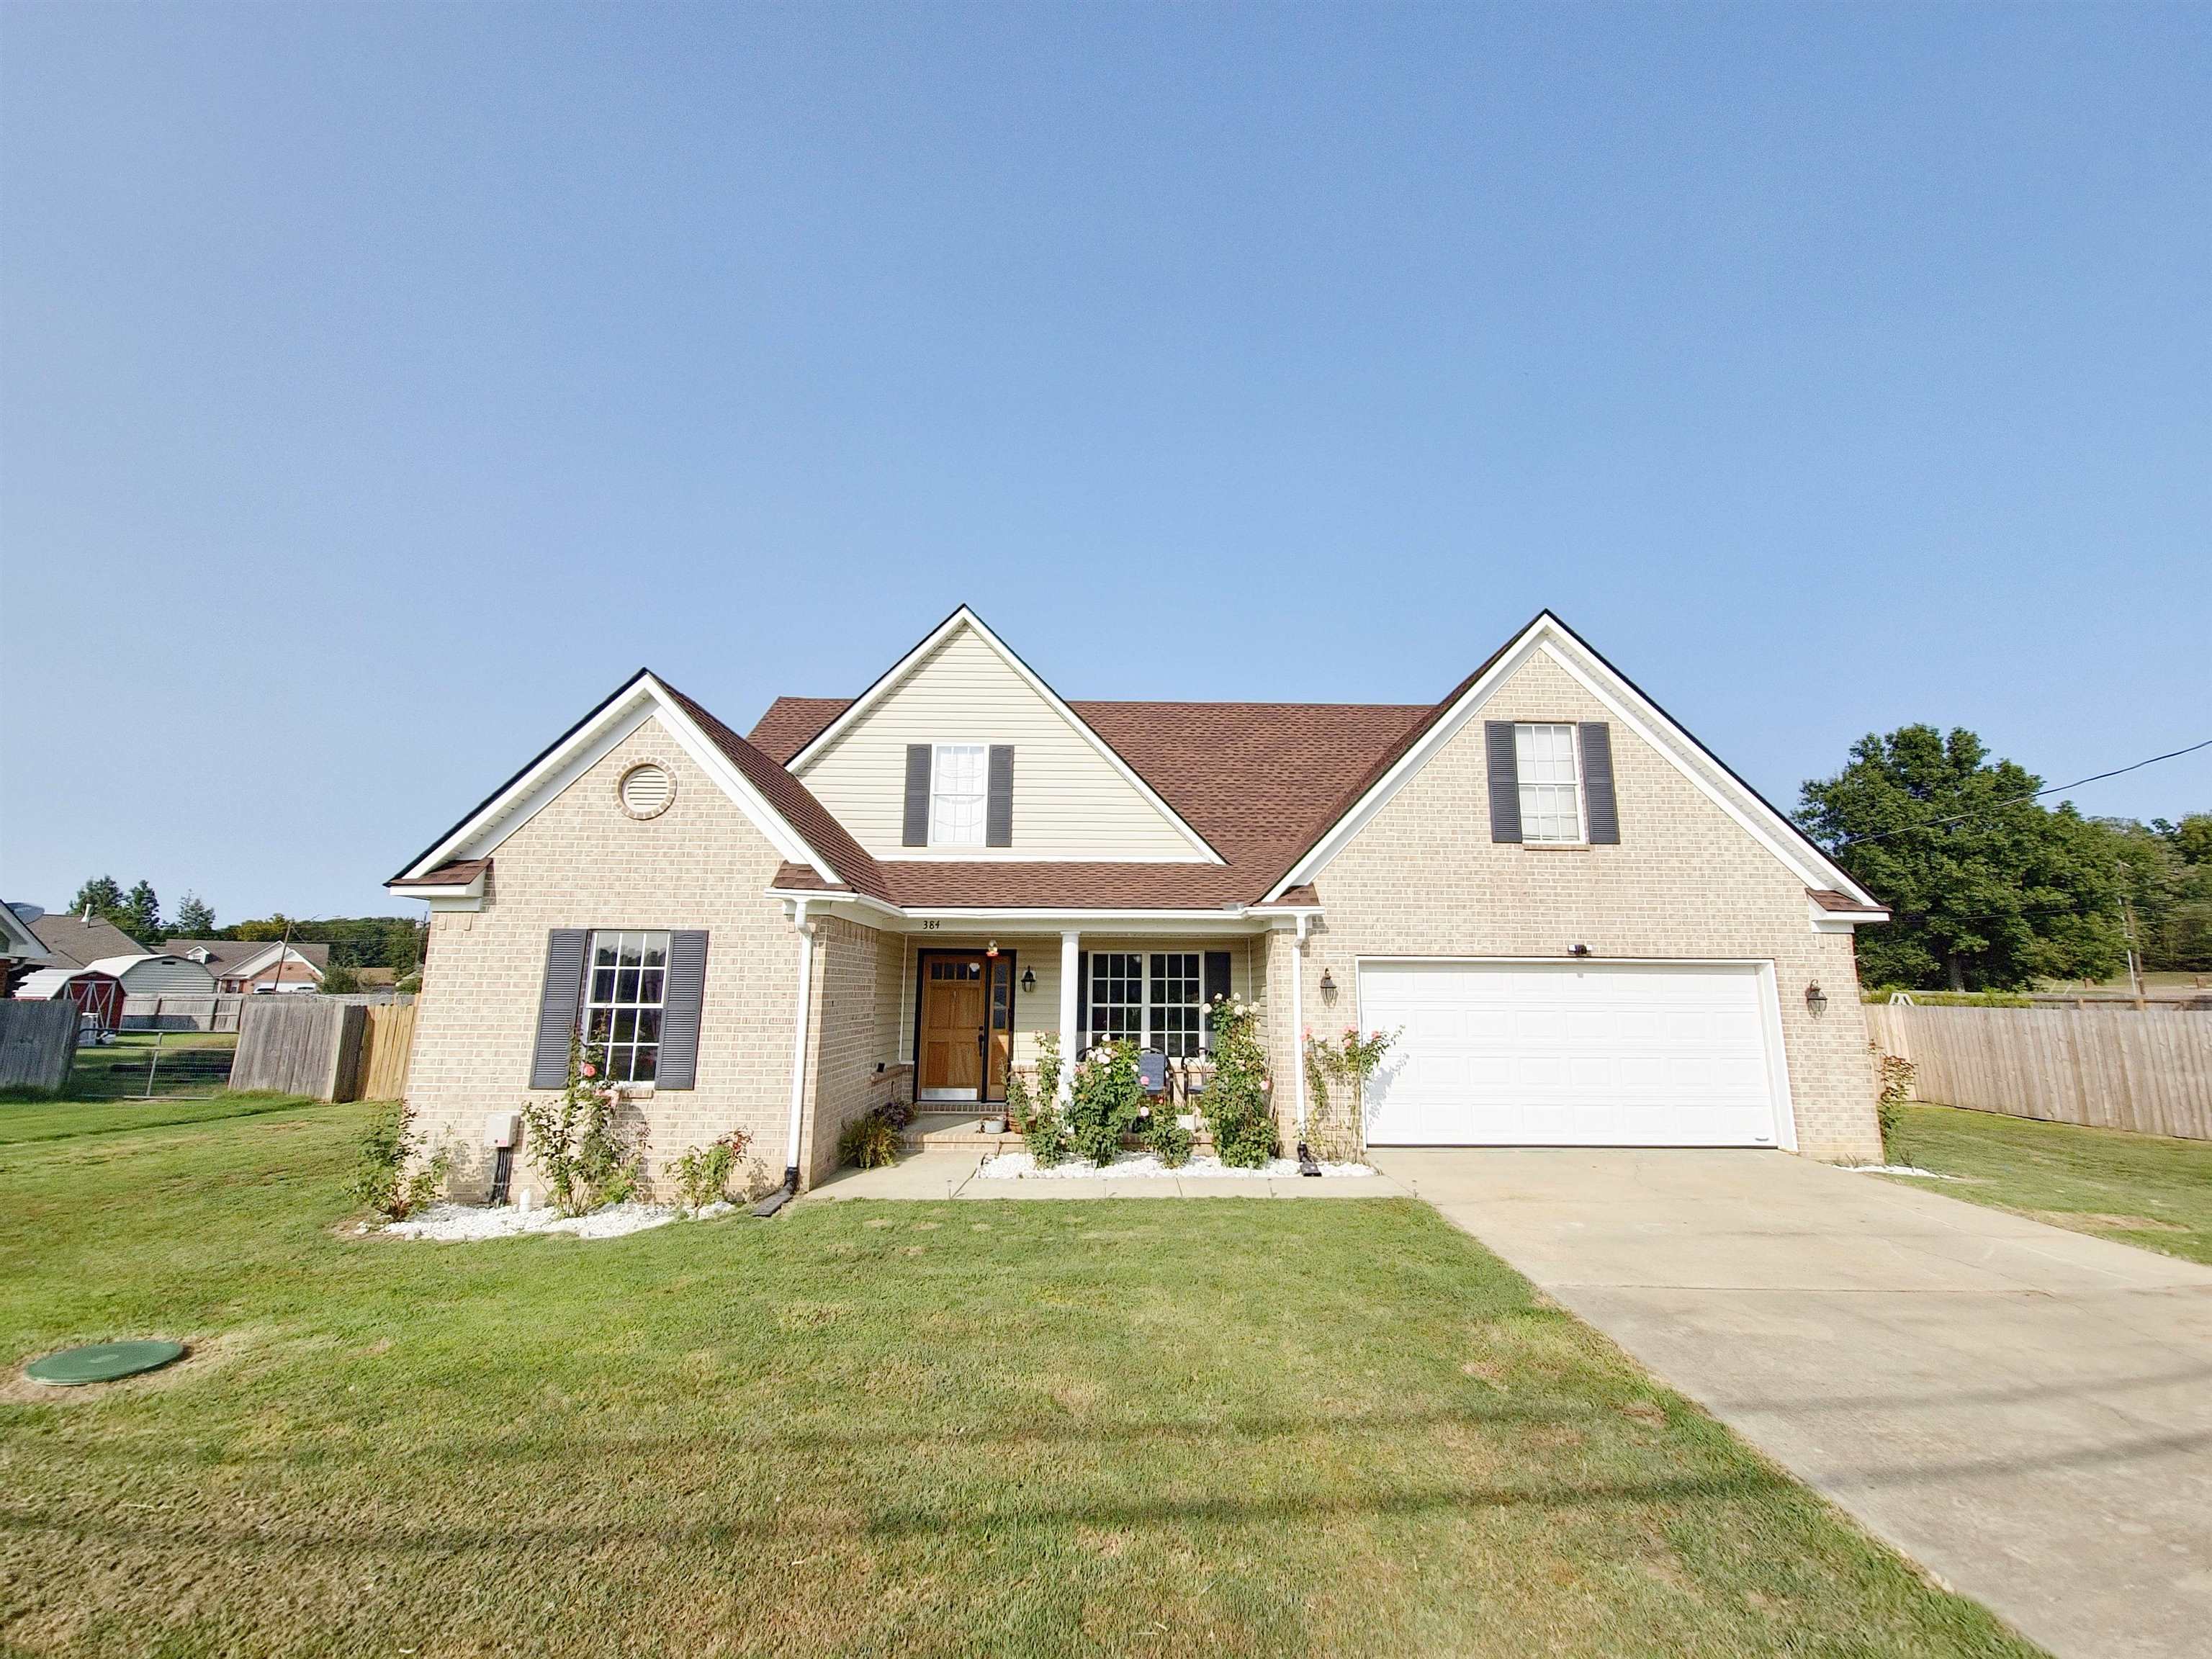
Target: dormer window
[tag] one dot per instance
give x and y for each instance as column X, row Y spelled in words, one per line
column 958, row 793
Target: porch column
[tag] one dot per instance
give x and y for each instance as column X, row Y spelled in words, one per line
column 1070, row 959
column 804, row 1018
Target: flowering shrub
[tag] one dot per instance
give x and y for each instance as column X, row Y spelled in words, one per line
column 1336, row 1129
column 1037, row 1117
column 1105, row 1102
column 703, row 1174
column 1237, row 1108
column 587, row 1160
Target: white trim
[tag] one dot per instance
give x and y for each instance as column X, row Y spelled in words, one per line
column 252, row 965
column 1770, row 1007
column 17, row 942
column 1550, row 636
column 1071, row 1040
column 645, row 698
column 963, row 617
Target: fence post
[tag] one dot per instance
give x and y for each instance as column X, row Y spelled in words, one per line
column 154, row 1063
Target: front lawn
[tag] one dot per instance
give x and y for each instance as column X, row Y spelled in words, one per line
column 2139, row 1190
column 1237, row 1425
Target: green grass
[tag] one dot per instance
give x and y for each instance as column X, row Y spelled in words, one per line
column 1229, row 1425
column 2139, row 1190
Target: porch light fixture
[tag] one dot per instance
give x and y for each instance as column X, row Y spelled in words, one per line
column 992, row 949
column 1029, row 979
column 1816, row 999
column 1578, row 950
column 1327, row 986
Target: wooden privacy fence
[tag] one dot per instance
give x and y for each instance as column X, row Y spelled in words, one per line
column 2149, row 1070
column 387, row 1038
column 170, row 1013
column 38, row 1043
column 299, row 1045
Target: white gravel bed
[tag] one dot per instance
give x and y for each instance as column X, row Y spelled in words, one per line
column 1020, row 1166
column 1897, row 1169
column 456, row 1222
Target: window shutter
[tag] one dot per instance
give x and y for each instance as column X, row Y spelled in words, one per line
column 685, row 989
column 1599, row 810
column 917, row 796
column 1505, row 781
column 1082, row 1005
column 999, row 825
column 1215, row 984
column 558, row 1002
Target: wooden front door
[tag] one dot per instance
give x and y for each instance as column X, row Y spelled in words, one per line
column 954, row 1000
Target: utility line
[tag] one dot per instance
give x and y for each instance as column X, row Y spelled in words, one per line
column 1980, row 812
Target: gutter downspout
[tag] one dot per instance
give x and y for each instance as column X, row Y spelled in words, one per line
column 802, row 1020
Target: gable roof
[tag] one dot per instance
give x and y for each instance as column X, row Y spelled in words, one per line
column 796, row 824
column 965, row 619
column 233, row 956
column 74, row 942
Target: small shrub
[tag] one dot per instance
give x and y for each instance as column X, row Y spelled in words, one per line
column 1895, row 1073
column 573, row 1139
column 868, row 1143
column 382, row 1182
column 1170, row 1141
column 1037, row 1121
column 1236, row 1101
column 1104, row 1103
column 703, row 1173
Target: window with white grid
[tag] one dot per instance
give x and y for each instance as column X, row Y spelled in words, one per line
column 1117, row 997
column 959, row 785
column 1174, row 1003
column 624, row 995
column 1551, row 784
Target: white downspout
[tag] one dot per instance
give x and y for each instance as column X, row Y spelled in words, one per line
column 1071, row 944
column 802, row 1020
column 1298, row 1022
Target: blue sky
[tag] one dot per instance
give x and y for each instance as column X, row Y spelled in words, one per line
column 379, row 387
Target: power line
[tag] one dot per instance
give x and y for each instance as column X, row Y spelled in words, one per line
column 1980, row 812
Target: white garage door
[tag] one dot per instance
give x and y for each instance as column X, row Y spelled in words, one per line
column 1504, row 1053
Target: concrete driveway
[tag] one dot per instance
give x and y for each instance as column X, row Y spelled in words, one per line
column 2025, row 1412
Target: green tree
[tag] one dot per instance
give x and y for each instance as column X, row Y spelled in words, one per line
column 142, row 915
column 339, row 979
column 195, row 918
column 1988, row 890
column 101, row 895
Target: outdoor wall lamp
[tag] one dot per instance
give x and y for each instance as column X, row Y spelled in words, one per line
column 1816, row 999
column 1029, row 979
column 1578, row 950
column 1327, row 986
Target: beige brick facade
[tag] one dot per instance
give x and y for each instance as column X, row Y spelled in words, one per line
column 1423, row 877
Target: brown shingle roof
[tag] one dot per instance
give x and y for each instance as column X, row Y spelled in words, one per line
column 1259, row 780
column 457, row 872
column 77, row 943
column 1829, row 899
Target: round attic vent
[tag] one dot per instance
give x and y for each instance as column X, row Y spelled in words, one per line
column 647, row 789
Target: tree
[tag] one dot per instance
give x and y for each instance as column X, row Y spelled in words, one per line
column 340, row 980
column 101, row 895
column 195, row 918
column 142, row 915
column 1988, row 890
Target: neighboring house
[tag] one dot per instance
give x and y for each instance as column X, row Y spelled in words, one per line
column 98, row 996
column 74, row 941
column 1590, row 931
column 253, row 965
column 146, row 975
column 21, row 950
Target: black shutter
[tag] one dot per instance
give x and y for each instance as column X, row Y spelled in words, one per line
column 1216, row 984
column 682, row 991
column 917, row 796
column 558, row 1002
column 999, row 825
column 1602, row 812
column 1082, row 1004
column 1505, row 781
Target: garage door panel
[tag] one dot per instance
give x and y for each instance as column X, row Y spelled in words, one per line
column 1592, row 1054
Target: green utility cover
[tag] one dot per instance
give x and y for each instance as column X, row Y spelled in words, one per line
column 103, row 1362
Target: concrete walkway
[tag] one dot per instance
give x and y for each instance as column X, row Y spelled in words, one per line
column 2025, row 1412
column 952, row 1174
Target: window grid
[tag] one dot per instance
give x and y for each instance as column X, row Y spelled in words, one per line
column 958, row 787
column 1117, row 997
column 1551, row 783
column 1174, row 1003
column 1154, row 1001
column 623, row 997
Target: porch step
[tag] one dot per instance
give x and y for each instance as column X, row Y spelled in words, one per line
column 961, row 1130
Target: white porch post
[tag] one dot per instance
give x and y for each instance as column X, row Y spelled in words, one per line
column 1298, row 1022
column 1070, row 958
column 802, row 1019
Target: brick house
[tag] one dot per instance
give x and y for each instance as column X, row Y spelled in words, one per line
column 1587, row 929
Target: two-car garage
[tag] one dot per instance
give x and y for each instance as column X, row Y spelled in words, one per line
column 1575, row 1053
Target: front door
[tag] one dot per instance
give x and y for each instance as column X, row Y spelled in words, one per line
column 949, row 1062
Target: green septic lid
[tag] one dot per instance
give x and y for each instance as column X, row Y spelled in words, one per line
column 103, row 1362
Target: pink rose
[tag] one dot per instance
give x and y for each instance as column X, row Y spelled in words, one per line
column 589, row 1070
